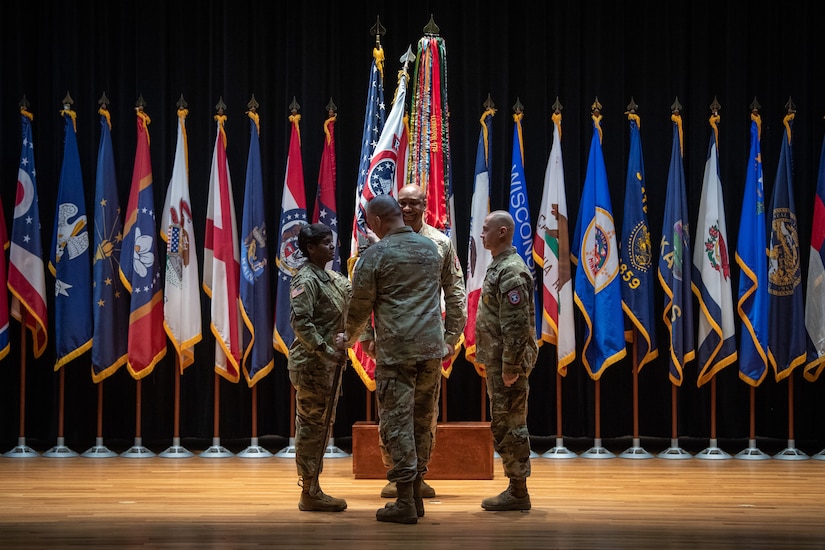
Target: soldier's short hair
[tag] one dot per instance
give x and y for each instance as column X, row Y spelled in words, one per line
column 312, row 233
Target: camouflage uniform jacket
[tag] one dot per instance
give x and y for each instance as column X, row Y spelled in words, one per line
column 505, row 330
column 454, row 293
column 317, row 305
column 399, row 280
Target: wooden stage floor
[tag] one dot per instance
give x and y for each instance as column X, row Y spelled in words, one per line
column 252, row 503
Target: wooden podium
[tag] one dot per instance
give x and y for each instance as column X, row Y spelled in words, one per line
column 463, row 450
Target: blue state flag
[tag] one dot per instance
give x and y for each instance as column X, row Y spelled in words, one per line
column 674, row 263
column 110, row 304
column 256, row 308
column 787, row 338
column 594, row 248
column 70, row 261
column 752, row 304
column 637, row 255
column 519, row 208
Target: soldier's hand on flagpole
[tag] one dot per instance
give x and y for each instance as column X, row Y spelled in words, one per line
column 369, row 348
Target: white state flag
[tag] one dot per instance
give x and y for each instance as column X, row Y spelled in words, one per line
column 711, row 276
column 181, row 309
column 551, row 252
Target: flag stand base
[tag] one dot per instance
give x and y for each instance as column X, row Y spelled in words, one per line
column 288, row 451
column 176, row 451
column 137, row 450
column 559, row 451
column 216, row 450
column 597, row 451
column 60, row 450
column 636, row 451
column 254, row 450
column 674, row 452
column 819, row 456
column 21, row 450
column 791, row 453
column 99, row 450
column 713, row 452
column 333, row 451
column 752, row 453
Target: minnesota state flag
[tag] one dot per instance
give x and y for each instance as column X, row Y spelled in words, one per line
column 598, row 294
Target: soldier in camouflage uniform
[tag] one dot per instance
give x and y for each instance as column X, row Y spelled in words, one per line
column 413, row 203
column 506, row 346
column 317, row 308
column 398, row 280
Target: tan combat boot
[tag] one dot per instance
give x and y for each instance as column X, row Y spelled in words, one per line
column 403, row 509
column 313, row 499
column 389, row 490
column 514, row 497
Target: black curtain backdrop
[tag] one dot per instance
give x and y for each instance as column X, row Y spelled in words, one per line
column 653, row 52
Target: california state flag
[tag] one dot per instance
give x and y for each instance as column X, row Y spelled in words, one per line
column 551, row 251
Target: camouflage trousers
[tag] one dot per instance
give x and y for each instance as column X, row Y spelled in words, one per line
column 385, row 456
column 312, row 396
column 508, row 421
column 407, row 395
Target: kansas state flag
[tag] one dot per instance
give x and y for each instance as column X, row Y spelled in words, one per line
column 70, row 261
column 674, row 266
column 27, row 279
column 597, row 291
column 110, row 299
column 753, row 265
column 787, row 338
column 256, row 307
column 637, row 253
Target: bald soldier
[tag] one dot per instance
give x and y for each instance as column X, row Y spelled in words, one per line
column 398, row 280
column 413, row 202
column 506, row 346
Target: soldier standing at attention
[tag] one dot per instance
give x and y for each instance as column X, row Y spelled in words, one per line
column 398, row 280
column 506, row 346
column 317, row 306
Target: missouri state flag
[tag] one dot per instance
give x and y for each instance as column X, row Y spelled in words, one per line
column 751, row 257
column 551, row 252
column 598, row 294
column 787, row 339
column 27, row 277
column 139, row 264
column 110, row 299
column 289, row 258
column 70, row 258
column 711, row 272
column 674, row 268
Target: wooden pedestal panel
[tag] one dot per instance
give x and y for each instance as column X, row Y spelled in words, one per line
column 463, row 450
